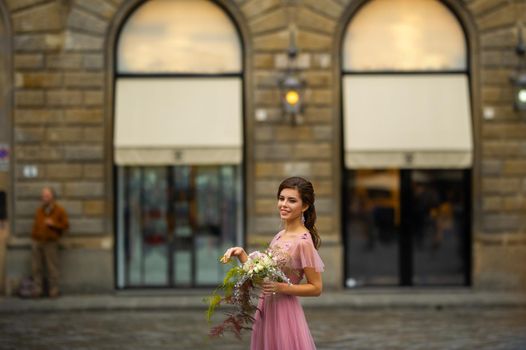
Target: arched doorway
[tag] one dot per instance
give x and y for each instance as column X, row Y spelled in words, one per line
column 178, row 143
column 408, row 145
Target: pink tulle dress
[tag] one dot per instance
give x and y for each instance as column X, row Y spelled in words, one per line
column 280, row 323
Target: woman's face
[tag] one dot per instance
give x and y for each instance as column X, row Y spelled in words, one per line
column 290, row 205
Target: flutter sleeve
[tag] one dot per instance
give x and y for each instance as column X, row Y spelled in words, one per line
column 305, row 255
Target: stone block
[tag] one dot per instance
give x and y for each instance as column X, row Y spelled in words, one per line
column 72, row 207
column 500, row 149
column 274, row 20
column 504, row 130
column 504, row 38
column 75, row 41
column 39, row 80
column 514, row 167
column 85, row 21
column 500, row 17
column 64, row 61
column 64, row 134
column 318, row 115
column 321, row 79
column 93, row 171
column 491, row 203
column 38, row 153
column 514, row 203
column 41, row 171
column 314, row 20
column 330, row 8
column 498, row 58
column 324, row 205
column 19, row 4
column 266, row 206
column 317, row 150
column 263, row 61
column 303, row 169
column 84, row 189
column 33, row 189
column 27, row 98
column 266, row 78
column 267, row 224
column 494, row 94
column 93, row 98
column 269, row 97
column 322, row 60
column 266, row 187
column 38, row 116
column 319, row 96
column 314, row 41
column 29, row 134
column 84, row 79
column 92, row 226
column 495, row 76
column 294, row 133
column 321, row 169
column 500, row 185
column 322, row 187
column 96, row 267
column 499, row 266
column 332, row 255
column 64, row 171
column 102, row 8
column 491, row 167
column 481, row 7
column 323, row 133
column 26, row 207
column 501, row 222
column 273, row 151
column 93, row 134
column 93, row 61
column 63, row 97
column 94, row 207
column 83, row 116
column 264, row 133
column 45, row 17
column 83, row 152
column 268, row 169
column 325, row 223
column 29, row 61
column 277, row 41
column 38, row 42
column 254, row 8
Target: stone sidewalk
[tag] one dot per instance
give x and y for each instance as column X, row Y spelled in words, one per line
column 193, row 299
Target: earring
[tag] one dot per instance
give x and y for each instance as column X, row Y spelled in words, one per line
column 302, row 218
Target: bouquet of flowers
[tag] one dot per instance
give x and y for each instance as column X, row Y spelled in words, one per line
column 240, row 289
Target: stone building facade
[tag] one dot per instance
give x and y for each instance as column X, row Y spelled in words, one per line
column 57, row 119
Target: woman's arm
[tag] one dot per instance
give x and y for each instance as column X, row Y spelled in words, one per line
column 312, row 288
column 235, row 251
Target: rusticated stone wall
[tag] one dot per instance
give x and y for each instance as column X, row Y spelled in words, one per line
column 62, row 112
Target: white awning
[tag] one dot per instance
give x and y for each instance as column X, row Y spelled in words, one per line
column 407, row 121
column 165, row 121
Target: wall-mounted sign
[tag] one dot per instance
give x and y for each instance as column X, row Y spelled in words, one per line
column 4, row 157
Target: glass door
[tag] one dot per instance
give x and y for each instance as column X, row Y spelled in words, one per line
column 407, row 227
column 173, row 224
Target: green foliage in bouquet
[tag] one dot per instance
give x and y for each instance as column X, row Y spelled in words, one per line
column 227, row 293
column 239, row 289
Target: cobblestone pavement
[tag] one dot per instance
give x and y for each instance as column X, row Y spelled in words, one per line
column 332, row 328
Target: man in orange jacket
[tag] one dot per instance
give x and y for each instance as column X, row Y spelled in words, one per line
column 50, row 223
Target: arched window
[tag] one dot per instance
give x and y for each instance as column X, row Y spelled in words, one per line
column 407, row 143
column 178, row 143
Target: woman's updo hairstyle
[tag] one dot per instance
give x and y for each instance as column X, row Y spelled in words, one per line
column 306, row 192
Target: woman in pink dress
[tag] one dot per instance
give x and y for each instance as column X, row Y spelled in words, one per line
column 280, row 323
